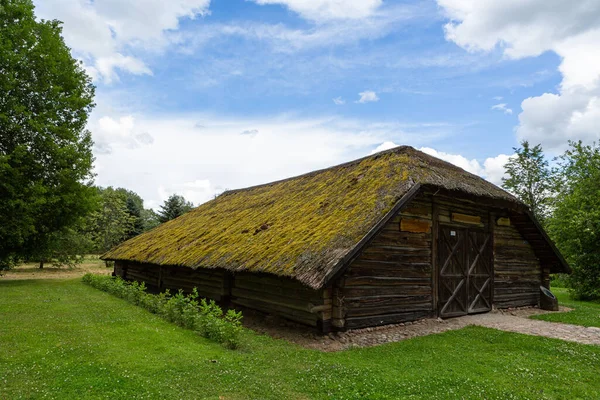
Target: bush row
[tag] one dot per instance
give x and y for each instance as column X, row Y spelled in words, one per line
column 187, row 311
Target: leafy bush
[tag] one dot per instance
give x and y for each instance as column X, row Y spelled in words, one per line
column 559, row 280
column 203, row 316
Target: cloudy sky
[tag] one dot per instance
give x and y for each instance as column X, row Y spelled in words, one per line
column 198, row 96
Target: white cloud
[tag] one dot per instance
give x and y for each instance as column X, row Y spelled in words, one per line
column 320, row 10
column 497, row 98
column 198, row 192
column 368, row 96
column 384, row 146
column 202, row 154
column 492, row 168
column 502, row 107
column 339, row 101
column 530, row 28
column 109, row 133
column 102, row 32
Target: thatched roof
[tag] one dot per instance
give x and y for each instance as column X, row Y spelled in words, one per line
column 301, row 227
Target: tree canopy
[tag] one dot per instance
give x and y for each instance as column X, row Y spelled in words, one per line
column 530, row 179
column 174, row 207
column 575, row 223
column 45, row 151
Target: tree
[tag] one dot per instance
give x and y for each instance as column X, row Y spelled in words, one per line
column 530, row 179
column 150, row 218
column 575, row 223
column 111, row 223
column 45, row 152
column 135, row 208
column 174, row 207
column 65, row 247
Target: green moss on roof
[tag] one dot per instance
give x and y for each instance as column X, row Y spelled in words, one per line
column 299, row 227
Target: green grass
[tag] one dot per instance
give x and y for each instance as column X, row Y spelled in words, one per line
column 65, row 340
column 584, row 313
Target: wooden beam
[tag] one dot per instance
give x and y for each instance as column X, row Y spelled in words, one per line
column 434, row 257
column 466, row 219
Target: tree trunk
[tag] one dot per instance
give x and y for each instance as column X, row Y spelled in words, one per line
column 41, row 264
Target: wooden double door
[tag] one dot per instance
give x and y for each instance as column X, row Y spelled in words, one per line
column 465, row 269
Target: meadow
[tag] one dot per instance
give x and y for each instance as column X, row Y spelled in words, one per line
column 61, row 339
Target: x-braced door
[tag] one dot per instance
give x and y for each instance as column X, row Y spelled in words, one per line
column 465, row 271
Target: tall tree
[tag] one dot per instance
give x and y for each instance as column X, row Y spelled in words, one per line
column 45, row 151
column 575, row 223
column 112, row 222
column 174, row 207
column 530, row 179
column 135, row 208
column 150, row 218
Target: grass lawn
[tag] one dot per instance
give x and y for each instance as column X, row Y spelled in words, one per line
column 62, row 339
column 584, row 313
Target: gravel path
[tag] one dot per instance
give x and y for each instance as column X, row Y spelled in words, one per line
column 510, row 323
column 511, row 320
column 507, row 320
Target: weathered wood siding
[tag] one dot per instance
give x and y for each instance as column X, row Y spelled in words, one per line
column 211, row 283
column 394, row 279
column 281, row 296
column 391, row 280
column 267, row 293
column 518, row 274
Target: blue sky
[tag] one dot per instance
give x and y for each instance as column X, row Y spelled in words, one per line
column 196, row 96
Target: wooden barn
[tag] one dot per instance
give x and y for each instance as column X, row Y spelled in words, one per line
column 393, row 237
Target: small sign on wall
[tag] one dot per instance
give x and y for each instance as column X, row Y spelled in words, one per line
column 415, row 225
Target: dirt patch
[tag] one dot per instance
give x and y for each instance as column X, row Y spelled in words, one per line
column 511, row 320
column 32, row 271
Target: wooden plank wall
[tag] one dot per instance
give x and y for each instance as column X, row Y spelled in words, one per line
column 211, row 283
column 391, row 280
column 267, row 293
column 281, row 296
column 518, row 274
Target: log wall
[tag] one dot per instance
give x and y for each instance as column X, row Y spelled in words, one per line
column 282, row 296
column 391, row 280
column 267, row 293
column 211, row 283
column 394, row 278
column 518, row 274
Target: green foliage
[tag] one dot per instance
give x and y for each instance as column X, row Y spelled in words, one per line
column 150, row 218
column 112, row 222
column 135, row 207
column 64, row 248
column 559, row 281
column 575, row 224
column 45, row 151
column 529, row 179
column 175, row 206
column 184, row 310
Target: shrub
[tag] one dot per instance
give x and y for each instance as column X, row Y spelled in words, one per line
column 204, row 316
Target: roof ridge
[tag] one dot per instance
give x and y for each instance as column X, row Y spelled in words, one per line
column 398, row 149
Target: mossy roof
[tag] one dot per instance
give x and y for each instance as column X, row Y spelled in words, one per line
column 300, row 227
